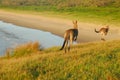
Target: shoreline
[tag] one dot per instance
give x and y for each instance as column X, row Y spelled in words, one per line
column 56, row 26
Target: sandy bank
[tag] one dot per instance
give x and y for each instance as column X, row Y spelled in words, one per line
column 57, row 26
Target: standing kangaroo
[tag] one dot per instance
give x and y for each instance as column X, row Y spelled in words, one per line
column 103, row 31
column 70, row 36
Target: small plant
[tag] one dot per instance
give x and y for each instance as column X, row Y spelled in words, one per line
column 26, row 49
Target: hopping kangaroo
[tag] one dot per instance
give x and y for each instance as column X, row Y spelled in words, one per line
column 103, row 31
column 70, row 36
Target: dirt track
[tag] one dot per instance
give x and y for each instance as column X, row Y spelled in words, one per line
column 58, row 26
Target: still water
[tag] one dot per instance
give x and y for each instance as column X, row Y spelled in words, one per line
column 12, row 35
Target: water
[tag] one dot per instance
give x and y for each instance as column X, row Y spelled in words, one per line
column 12, row 35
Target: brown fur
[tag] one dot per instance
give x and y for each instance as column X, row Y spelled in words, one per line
column 103, row 31
column 70, row 36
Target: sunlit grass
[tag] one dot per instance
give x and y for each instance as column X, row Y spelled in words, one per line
column 87, row 61
column 23, row 49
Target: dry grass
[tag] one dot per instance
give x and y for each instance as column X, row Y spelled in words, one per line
column 26, row 49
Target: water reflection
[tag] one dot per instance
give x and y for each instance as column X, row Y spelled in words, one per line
column 12, row 35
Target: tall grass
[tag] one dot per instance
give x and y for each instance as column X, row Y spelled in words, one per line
column 90, row 61
column 24, row 49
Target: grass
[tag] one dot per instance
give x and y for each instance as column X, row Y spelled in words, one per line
column 23, row 50
column 97, row 15
column 87, row 61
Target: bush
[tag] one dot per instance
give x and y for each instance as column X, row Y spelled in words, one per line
column 26, row 49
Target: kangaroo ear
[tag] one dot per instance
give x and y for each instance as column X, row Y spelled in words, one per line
column 76, row 21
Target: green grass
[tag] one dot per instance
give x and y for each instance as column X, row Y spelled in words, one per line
column 88, row 61
column 97, row 15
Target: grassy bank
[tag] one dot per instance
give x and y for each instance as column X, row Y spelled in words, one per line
column 89, row 61
column 97, row 15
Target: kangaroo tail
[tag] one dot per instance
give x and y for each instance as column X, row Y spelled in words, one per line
column 96, row 31
column 63, row 45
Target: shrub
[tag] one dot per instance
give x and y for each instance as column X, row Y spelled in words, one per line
column 26, row 49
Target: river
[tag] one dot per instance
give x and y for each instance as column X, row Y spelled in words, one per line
column 12, row 35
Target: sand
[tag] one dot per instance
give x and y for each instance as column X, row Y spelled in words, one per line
column 58, row 26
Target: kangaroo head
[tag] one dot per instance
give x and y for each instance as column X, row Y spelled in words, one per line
column 75, row 24
column 107, row 27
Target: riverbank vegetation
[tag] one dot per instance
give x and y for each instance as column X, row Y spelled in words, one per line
column 23, row 50
column 61, row 3
column 92, row 11
column 93, row 61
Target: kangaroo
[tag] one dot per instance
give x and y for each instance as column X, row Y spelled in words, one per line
column 103, row 31
column 70, row 35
